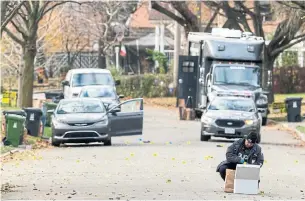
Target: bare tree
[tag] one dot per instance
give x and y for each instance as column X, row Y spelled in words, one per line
column 105, row 22
column 23, row 30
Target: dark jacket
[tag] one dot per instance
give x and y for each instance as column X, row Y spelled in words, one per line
column 255, row 157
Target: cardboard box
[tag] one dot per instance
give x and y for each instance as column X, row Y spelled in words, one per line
column 229, row 181
column 246, row 179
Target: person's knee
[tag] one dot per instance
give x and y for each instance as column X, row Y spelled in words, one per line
column 222, row 169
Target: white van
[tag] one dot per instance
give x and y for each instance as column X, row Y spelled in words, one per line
column 78, row 78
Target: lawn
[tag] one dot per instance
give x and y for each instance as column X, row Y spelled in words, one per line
column 281, row 97
column 301, row 129
column 5, row 149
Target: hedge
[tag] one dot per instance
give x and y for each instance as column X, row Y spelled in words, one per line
column 148, row 85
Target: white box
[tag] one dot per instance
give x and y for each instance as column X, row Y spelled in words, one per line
column 246, row 179
column 244, row 186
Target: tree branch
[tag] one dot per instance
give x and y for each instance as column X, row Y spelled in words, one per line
column 15, row 38
column 10, row 17
column 284, row 47
column 208, row 27
column 168, row 13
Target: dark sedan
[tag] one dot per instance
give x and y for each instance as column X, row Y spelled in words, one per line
column 230, row 117
column 83, row 120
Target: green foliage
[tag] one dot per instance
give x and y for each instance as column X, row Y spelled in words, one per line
column 148, row 85
column 289, row 58
column 160, row 58
column 114, row 72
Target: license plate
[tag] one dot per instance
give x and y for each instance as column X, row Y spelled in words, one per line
column 229, row 130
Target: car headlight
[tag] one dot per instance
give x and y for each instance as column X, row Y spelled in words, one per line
column 249, row 122
column 57, row 122
column 207, row 120
column 262, row 100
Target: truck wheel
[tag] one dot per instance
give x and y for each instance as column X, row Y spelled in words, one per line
column 264, row 121
column 205, row 137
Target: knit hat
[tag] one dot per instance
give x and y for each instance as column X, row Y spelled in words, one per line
column 252, row 137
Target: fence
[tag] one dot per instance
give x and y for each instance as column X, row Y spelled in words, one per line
column 290, row 79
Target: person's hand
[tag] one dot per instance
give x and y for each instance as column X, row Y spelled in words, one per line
column 242, row 161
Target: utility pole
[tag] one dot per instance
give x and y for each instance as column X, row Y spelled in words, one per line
column 176, row 51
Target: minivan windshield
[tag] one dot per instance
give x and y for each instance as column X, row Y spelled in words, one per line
column 239, row 75
column 85, row 79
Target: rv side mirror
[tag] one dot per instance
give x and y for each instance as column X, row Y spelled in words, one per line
column 65, row 83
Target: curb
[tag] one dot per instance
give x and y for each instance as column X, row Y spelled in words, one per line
column 9, row 153
column 300, row 135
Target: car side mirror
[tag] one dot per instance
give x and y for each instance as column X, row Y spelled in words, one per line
column 51, row 111
column 117, row 82
column 65, row 83
column 121, row 96
column 114, row 110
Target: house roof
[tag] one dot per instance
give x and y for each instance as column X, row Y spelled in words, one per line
column 145, row 17
column 149, row 40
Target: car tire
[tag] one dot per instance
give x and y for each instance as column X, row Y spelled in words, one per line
column 264, row 121
column 205, row 137
column 107, row 142
column 259, row 139
column 54, row 142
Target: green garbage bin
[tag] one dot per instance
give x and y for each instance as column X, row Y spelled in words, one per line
column 14, row 130
column 49, row 106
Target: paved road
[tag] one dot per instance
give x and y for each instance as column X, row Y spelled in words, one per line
column 174, row 166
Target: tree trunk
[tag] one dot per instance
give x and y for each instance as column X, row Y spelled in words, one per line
column 268, row 63
column 29, row 52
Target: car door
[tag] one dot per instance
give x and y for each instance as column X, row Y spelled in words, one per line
column 126, row 118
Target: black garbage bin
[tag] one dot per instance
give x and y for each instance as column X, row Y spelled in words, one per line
column 293, row 108
column 33, row 119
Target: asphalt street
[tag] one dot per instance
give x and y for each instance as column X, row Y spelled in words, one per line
column 174, row 165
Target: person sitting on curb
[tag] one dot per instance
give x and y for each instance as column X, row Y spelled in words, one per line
column 240, row 152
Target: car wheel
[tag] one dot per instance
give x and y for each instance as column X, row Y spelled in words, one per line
column 205, row 137
column 264, row 121
column 107, row 142
column 54, row 142
column 259, row 139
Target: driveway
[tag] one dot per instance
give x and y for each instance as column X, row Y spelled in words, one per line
column 174, row 165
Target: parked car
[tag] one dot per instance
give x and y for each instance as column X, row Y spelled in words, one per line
column 105, row 93
column 230, row 117
column 84, row 120
column 78, row 78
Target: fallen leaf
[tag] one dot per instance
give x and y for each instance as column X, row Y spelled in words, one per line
column 173, row 159
column 219, row 145
column 296, row 161
column 183, row 162
column 77, row 161
column 132, row 154
column 155, row 154
column 126, row 159
column 168, row 181
column 188, row 142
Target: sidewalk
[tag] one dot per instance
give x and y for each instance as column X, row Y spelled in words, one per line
column 293, row 127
